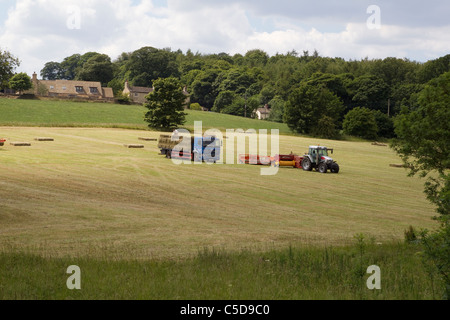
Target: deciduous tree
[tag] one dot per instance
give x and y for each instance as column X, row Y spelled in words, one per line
column 360, row 122
column 52, row 71
column 308, row 104
column 20, row 82
column 166, row 104
column 424, row 144
column 97, row 68
column 8, row 64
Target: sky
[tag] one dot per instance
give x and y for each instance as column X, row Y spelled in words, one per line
column 40, row 31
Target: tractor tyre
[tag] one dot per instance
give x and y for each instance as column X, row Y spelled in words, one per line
column 307, row 165
column 335, row 168
column 322, row 168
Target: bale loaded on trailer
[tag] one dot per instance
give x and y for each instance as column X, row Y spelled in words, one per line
column 198, row 149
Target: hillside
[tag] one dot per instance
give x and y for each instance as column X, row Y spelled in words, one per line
column 50, row 113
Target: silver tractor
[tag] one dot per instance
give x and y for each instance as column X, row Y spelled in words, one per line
column 318, row 159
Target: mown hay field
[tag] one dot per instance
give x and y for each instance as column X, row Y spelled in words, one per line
column 86, row 195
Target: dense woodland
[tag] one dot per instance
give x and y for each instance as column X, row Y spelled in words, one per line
column 312, row 94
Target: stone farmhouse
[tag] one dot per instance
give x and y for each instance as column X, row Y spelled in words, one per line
column 68, row 89
column 138, row 94
column 263, row 113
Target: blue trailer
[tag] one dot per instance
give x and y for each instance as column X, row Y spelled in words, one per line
column 199, row 149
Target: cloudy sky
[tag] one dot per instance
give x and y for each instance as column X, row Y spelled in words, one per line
column 38, row 31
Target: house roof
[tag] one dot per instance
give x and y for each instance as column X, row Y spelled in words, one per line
column 264, row 110
column 108, row 92
column 141, row 90
column 69, row 86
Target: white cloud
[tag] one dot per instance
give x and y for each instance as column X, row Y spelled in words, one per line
column 36, row 30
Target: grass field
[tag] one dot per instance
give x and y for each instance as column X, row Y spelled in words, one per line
column 85, row 194
column 50, row 113
column 332, row 273
column 86, row 199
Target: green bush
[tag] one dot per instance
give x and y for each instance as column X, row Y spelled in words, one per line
column 20, row 82
column 123, row 98
column 385, row 125
column 361, row 122
column 196, row 107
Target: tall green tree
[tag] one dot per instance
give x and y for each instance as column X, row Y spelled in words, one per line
column 148, row 64
column 385, row 125
column 8, row 63
column 52, row 71
column 223, row 100
column 394, row 71
column 70, row 67
column 166, row 104
column 424, row 144
column 203, row 91
column 277, row 109
column 371, row 92
column 434, row 68
column 256, row 58
column 308, row 104
column 97, row 68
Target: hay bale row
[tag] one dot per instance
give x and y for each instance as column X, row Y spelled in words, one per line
column 21, row 144
column 148, row 139
column 396, row 166
column 44, row 139
column 379, row 144
column 400, row 166
column 134, row 146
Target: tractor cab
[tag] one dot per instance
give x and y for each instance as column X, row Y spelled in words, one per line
column 317, row 152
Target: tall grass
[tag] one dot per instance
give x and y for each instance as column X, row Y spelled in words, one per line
column 331, row 273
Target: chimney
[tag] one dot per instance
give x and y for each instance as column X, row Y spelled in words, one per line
column 35, row 83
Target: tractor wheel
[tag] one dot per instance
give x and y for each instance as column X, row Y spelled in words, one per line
column 306, row 164
column 335, row 168
column 323, row 167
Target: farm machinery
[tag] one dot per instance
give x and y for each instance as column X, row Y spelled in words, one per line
column 2, row 142
column 317, row 158
column 193, row 148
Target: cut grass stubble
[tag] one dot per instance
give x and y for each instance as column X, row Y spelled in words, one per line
column 85, row 190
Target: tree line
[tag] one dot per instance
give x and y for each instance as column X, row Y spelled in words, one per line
column 314, row 95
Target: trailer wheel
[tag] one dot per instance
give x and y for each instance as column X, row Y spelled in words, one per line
column 306, row 164
column 197, row 157
column 322, row 168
